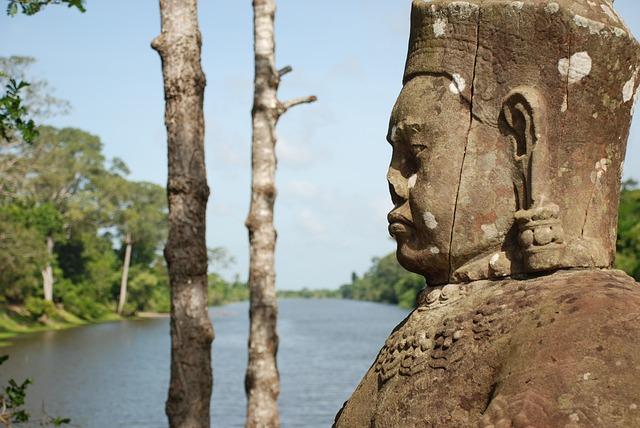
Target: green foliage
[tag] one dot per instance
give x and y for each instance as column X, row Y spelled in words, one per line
column 407, row 289
column 38, row 307
column 13, row 401
column 140, row 217
column 628, row 245
column 100, row 266
column 307, row 293
column 22, row 254
column 13, row 113
column 143, row 286
column 219, row 258
column 386, row 281
column 56, row 422
column 60, row 187
column 31, row 7
column 22, row 101
column 36, row 97
column 43, row 218
column 79, row 301
column 221, row 291
column 159, row 299
column 66, row 191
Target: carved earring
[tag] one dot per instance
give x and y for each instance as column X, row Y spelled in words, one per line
column 541, row 236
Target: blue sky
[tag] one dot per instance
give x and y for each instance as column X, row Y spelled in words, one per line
column 332, row 201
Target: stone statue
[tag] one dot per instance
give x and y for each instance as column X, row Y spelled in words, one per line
column 508, row 142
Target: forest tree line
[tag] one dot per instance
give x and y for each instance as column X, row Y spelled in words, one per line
column 67, row 216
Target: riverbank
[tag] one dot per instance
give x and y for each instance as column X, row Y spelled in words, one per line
column 16, row 321
column 36, row 315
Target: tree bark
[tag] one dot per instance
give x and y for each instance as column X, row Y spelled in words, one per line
column 179, row 45
column 125, row 274
column 47, row 273
column 262, row 381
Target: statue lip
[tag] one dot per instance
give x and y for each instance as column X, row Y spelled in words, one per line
column 395, row 217
column 398, row 224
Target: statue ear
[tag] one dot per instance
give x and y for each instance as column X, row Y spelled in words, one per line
column 522, row 119
column 541, row 236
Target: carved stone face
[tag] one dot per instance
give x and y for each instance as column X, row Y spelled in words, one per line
column 428, row 132
column 451, row 182
column 508, row 141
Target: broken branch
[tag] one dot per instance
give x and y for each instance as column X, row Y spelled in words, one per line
column 285, row 70
column 283, row 107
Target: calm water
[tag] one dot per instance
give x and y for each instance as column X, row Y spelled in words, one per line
column 116, row 374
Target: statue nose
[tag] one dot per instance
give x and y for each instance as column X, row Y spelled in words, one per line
column 398, row 186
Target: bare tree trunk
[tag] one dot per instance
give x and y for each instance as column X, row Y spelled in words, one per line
column 47, row 273
column 262, row 381
column 125, row 274
column 179, row 45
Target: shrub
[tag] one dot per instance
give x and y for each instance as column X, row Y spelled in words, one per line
column 84, row 306
column 38, row 307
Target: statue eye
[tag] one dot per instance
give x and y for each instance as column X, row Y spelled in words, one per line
column 407, row 130
column 417, row 148
column 412, row 134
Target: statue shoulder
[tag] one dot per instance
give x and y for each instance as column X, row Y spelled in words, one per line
column 563, row 336
column 597, row 294
column 578, row 338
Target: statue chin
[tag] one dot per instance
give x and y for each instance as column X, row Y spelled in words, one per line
column 434, row 267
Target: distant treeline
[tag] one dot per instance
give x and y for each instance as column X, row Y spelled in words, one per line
column 387, row 282
column 307, row 293
column 222, row 291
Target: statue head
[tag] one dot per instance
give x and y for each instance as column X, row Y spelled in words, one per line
column 509, row 137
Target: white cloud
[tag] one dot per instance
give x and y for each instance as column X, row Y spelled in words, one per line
column 312, row 225
column 303, row 189
column 293, row 154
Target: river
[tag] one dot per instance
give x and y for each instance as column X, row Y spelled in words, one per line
column 116, row 374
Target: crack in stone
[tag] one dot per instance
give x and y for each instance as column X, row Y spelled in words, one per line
column 464, row 155
column 595, row 183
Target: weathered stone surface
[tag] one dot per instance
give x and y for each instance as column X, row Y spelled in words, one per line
column 560, row 350
column 508, row 142
column 509, row 137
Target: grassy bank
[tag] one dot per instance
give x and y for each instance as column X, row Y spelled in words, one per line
column 147, row 298
column 17, row 320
